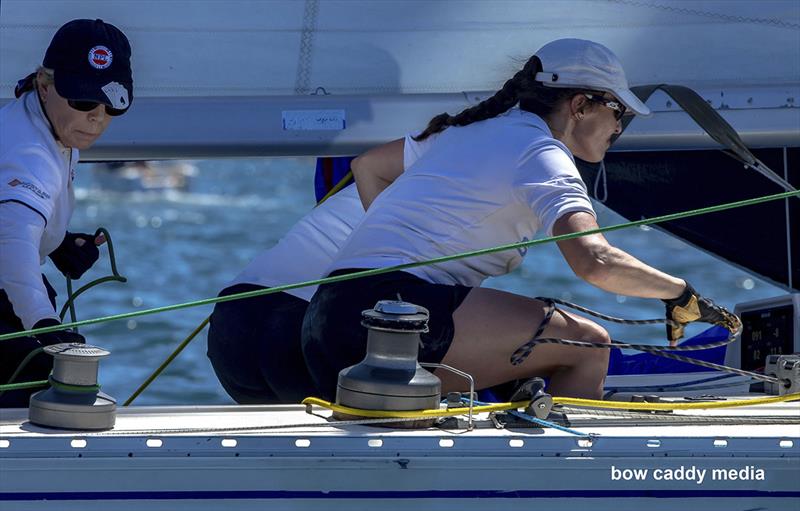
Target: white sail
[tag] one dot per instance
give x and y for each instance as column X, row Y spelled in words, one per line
column 229, row 77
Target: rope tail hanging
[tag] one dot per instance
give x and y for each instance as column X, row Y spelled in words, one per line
column 114, row 277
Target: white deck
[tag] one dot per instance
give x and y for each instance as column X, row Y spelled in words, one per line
column 238, row 457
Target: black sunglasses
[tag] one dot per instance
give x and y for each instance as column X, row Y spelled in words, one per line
column 88, row 106
column 618, row 108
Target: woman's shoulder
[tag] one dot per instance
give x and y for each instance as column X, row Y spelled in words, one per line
column 21, row 138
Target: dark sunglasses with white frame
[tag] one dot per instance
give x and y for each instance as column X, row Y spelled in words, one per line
column 618, row 108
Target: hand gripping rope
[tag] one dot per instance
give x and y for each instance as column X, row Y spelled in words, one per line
column 525, row 350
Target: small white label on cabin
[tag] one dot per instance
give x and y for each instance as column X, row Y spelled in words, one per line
column 304, row 120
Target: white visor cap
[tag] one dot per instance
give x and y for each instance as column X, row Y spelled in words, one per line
column 583, row 64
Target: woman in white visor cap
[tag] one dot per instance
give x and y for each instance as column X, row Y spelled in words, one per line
column 496, row 173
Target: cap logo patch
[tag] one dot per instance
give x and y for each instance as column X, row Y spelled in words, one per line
column 100, row 57
column 117, row 94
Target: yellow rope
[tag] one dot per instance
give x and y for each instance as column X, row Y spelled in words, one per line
column 422, row 414
column 341, row 184
column 621, row 405
column 592, row 403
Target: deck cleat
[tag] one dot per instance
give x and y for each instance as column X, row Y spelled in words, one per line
column 390, row 377
column 533, row 390
column 459, row 399
column 787, row 370
column 74, row 400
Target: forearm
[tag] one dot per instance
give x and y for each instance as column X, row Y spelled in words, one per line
column 593, row 259
column 618, row 272
column 20, row 273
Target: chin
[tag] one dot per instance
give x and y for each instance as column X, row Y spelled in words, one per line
column 591, row 155
column 82, row 145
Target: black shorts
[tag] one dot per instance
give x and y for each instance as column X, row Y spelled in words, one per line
column 14, row 351
column 254, row 347
column 334, row 339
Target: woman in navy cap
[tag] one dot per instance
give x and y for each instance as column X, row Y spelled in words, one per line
column 63, row 107
column 494, row 174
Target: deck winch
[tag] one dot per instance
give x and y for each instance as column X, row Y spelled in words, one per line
column 74, row 400
column 390, row 377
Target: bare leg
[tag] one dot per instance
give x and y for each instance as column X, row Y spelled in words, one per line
column 490, row 325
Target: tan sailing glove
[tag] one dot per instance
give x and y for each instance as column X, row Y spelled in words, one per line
column 689, row 307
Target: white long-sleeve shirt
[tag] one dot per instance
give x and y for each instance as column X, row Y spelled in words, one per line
column 20, row 275
column 36, row 203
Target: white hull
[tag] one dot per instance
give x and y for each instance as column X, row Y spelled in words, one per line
column 194, row 463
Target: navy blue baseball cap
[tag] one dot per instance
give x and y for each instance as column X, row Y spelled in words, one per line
column 91, row 60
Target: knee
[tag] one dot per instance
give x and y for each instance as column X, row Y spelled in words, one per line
column 596, row 334
column 592, row 332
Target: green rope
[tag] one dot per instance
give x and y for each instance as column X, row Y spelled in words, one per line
column 77, row 389
column 69, row 304
column 26, row 385
column 10, row 383
column 341, row 184
column 115, row 276
column 166, row 362
column 378, row 271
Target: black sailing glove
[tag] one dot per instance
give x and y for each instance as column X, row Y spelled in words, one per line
column 690, row 306
column 76, row 254
column 57, row 337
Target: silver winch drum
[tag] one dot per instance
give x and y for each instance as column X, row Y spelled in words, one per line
column 74, row 400
column 390, row 377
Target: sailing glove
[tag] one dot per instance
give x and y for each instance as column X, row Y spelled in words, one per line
column 76, row 254
column 57, row 337
column 690, row 306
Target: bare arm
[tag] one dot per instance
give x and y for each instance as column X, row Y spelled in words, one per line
column 593, row 259
column 376, row 169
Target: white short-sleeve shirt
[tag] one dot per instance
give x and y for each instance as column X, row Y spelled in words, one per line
column 306, row 251
column 489, row 183
column 36, row 170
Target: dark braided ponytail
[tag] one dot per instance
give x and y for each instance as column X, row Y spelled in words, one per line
column 501, row 102
column 531, row 95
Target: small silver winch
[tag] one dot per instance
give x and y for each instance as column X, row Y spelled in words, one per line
column 390, row 377
column 74, row 400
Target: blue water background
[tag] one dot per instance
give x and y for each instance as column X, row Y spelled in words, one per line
column 180, row 246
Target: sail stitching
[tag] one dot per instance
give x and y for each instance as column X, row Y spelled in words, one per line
column 306, row 47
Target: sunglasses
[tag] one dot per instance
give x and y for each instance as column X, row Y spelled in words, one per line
column 88, row 106
column 618, row 108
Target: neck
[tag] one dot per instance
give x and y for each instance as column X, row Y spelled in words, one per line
column 47, row 117
column 562, row 127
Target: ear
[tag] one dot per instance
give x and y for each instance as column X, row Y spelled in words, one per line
column 577, row 105
column 42, row 85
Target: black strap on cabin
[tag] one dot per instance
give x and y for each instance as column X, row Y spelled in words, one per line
column 712, row 123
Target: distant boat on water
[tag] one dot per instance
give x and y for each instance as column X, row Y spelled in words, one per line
column 137, row 176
